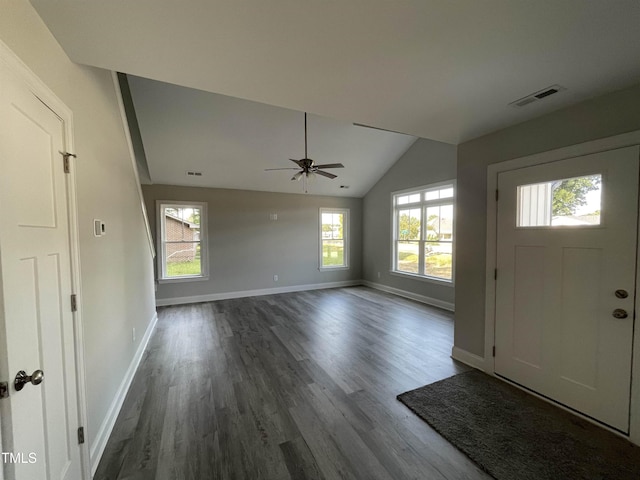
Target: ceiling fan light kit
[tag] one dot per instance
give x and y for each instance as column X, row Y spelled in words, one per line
column 307, row 167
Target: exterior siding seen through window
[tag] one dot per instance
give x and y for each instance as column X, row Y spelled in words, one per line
column 182, row 232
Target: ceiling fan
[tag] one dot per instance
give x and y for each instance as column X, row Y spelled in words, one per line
column 307, row 168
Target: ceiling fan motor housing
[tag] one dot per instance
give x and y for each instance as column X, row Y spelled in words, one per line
column 306, row 164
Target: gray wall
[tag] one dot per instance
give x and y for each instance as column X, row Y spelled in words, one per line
column 117, row 275
column 425, row 162
column 247, row 249
column 600, row 117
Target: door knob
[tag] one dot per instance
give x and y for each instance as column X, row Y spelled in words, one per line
column 620, row 313
column 22, row 378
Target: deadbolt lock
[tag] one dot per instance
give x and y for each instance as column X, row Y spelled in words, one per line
column 620, row 313
column 622, row 294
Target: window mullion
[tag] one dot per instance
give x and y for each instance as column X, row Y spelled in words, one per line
column 423, row 238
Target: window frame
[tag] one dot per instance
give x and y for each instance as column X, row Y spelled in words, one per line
column 345, row 238
column 203, row 240
column 423, row 205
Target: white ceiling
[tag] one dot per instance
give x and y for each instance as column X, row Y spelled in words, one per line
column 231, row 141
column 444, row 70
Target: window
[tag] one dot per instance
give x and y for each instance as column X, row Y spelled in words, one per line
column 569, row 202
column 182, row 230
column 423, row 232
column 334, row 231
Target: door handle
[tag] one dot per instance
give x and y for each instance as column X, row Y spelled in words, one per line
column 22, row 379
column 620, row 313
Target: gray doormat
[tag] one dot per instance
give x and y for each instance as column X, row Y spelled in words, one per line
column 513, row 435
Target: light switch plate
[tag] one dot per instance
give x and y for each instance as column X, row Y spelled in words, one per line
column 99, row 228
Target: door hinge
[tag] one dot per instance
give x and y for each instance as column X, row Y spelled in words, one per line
column 494, row 350
column 65, row 161
column 497, row 194
column 495, row 273
column 4, row 389
column 74, row 303
column 80, row 435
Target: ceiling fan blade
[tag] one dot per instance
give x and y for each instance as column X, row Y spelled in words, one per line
column 297, row 162
column 330, row 165
column 269, row 169
column 297, row 176
column 325, row 174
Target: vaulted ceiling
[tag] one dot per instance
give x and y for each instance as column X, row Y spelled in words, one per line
column 232, row 141
column 444, row 70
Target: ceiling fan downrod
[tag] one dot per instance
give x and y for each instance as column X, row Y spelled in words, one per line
column 305, row 135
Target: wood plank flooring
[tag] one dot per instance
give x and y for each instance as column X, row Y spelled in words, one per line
column 294, row 386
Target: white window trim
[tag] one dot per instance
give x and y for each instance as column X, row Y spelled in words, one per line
column 421, row 204
column 345, row 234
column 204, row 241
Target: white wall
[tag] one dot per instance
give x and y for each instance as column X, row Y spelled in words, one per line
column 600, row 117
column 424, row 163
column 117, row 277
column 246, row 248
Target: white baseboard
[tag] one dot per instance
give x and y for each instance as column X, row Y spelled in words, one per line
column 100, row 443
column 212, row 297
column 470, row 359
column 413, row 296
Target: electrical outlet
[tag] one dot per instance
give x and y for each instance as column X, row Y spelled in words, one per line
column 275, row 278
column 133, row 334
column 378, row 274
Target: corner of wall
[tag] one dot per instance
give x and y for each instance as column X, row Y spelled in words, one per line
column 470, row 359
column 99, row 444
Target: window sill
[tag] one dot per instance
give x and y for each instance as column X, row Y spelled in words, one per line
column 184, row 279
column 437, row 281
column 331, row 269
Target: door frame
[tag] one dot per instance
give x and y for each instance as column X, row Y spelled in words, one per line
column 11, row 62
column 595, row 146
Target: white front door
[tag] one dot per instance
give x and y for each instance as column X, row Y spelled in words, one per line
column 560, row 275
column 35, row 279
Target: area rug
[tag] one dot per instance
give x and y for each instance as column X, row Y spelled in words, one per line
column 513, row 435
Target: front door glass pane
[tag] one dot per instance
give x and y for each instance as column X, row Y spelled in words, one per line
column 568, row 202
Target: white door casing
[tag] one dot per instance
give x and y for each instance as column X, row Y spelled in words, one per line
column 36, row 272
column 554, row 330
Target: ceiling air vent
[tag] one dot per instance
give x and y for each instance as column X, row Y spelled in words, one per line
column 191, row 173
column 539, row 95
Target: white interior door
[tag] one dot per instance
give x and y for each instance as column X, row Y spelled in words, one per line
column 556, row 330
column 36, row 288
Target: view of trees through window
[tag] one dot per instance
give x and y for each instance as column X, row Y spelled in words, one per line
column 424, row 232
column 570, row 194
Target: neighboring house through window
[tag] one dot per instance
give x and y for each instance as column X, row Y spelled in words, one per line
column 334, row 238
column 423, row 232
column 182, row 232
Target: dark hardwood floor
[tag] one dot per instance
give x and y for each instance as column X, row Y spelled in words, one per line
column 300, row 385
